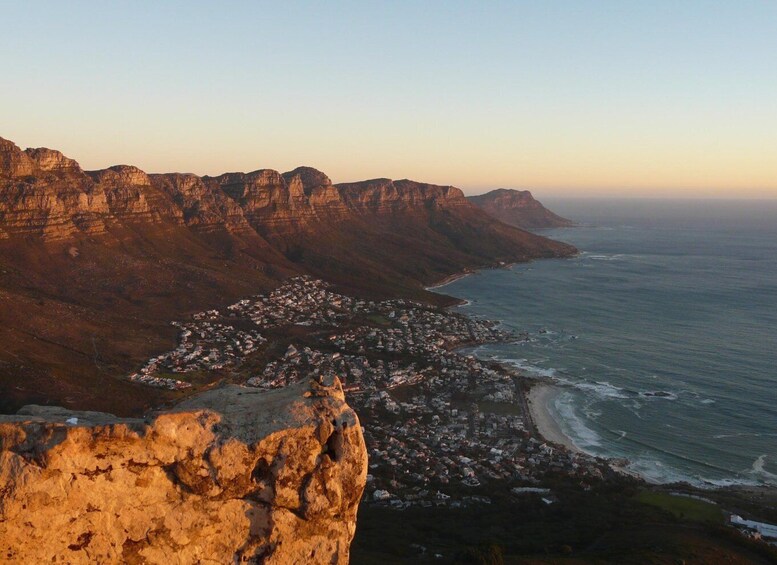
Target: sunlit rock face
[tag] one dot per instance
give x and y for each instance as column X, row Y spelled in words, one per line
column 14, row 162
column 51, row 160
column 44, row 193
column 232, row 475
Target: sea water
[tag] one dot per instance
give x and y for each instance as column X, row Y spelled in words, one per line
column 662, row 334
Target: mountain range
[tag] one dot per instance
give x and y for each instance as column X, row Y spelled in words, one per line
column 95, row 264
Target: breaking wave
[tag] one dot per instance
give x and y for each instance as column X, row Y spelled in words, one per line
column 573, row 425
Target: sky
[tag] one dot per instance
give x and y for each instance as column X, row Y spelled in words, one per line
column 577, row 98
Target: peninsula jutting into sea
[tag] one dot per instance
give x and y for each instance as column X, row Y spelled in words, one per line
column 230, row 414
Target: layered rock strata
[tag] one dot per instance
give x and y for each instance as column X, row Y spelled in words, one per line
column 44, row 193
column 232, row 475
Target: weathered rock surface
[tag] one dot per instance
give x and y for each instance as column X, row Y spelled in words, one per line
column 44, row 193
column 232, row 475
column 518, row 208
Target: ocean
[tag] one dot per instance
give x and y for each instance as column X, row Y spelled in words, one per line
column 661, row 334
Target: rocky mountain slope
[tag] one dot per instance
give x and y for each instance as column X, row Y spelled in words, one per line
column 95, row 264
column 518, row 208
column 233, row 475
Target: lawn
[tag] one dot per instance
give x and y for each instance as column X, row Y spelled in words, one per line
column 683, row 507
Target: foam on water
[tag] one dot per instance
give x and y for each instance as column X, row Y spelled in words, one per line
column 654, row 471
column 530, row 369
column 616, row 257
column 602, row 389
column 572, row 424
column 758, row 468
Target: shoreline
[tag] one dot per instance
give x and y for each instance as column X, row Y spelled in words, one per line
column 539, row 397
column 449, row 279
column 445, row 281
column 541, row 392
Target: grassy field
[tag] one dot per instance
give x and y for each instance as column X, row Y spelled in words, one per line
column 683, row 507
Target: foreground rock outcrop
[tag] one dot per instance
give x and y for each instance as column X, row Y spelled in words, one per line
column 232, row 475
column 519, row 208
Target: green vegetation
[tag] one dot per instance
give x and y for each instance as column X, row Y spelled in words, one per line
column 683, row 507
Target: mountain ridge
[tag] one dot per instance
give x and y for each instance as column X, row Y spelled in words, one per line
column 95, row 264
column 89, row 201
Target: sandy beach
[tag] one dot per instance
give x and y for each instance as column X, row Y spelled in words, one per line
column 449, row 279
column 540, row 396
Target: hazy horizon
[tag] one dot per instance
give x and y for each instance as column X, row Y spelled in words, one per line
column 568, row 99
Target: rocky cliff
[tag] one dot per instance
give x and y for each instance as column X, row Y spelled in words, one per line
column 518, row 208
column 233, row 475
column 43, row 193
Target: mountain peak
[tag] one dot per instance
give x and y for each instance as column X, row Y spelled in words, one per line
column 304, row 180
column 121, row 174
column 52, row 160
column 13, row 161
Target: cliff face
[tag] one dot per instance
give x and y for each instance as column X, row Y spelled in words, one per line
column 43, row 193
column 518, row 208
column 295, row 218
column 232, row 475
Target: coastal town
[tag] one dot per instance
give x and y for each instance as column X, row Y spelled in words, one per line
column 440, row 425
